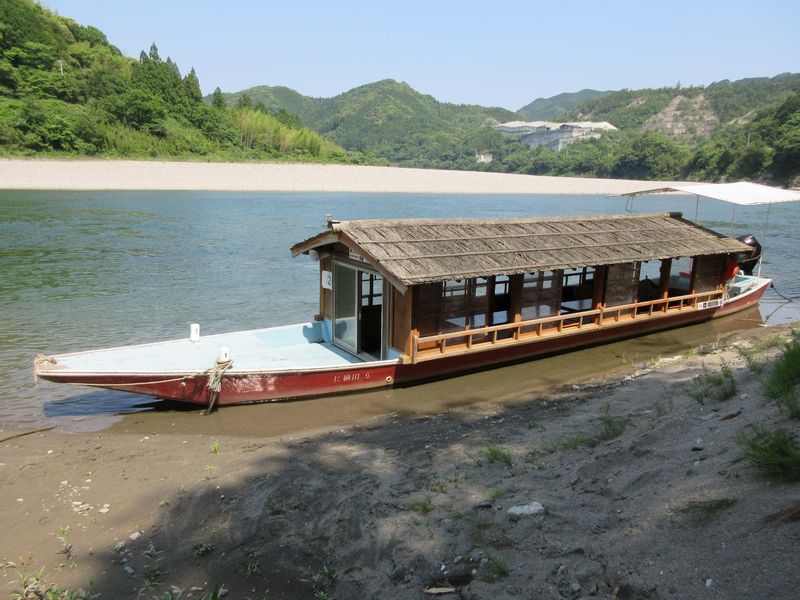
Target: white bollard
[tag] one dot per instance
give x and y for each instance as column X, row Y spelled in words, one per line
column 224, row 354
column 194, row 332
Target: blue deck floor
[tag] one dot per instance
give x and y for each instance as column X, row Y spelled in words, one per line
column 280, row 348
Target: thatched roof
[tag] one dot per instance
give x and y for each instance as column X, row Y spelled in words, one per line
column 414, row 251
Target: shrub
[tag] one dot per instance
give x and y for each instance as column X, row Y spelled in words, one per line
column 772, row 453
column 782, row 380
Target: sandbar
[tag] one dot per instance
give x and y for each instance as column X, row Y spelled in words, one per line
column 101, row 174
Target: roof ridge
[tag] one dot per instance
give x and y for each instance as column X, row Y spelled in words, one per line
column 357, row 224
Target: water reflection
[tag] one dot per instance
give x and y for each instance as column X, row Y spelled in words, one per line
column 97, row 403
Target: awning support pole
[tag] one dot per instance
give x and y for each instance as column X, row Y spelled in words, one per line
column 696, row 206
column 764, row 240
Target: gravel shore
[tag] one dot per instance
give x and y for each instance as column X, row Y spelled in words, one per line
column 627, row 487
column 37, row 174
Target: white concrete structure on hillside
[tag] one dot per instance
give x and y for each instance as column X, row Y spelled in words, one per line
column 555, row 136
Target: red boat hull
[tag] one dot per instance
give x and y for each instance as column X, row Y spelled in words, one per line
column 249, row 387
column 446, row 366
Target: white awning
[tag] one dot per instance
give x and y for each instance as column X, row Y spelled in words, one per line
column 743, row 193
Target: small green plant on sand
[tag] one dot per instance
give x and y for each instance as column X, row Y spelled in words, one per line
column 202, row 548
column 492, row 495
column 215, row 447
column 781, row 383
column 477, row 529
column 495, row 453
column 32, row 586
column 610, row 426
column 754, row 363
column 423, row 506
column 66, row 550
column 322, row 581
column 575, row 441
column 441, row 482
column 252, row 562
column 771, row 342
column 474, row 458
column 496, row 567
column 717, row 386
column 772, row 453
column 701, row 512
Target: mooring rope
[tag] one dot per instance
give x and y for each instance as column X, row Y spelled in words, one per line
column 772, row 285
column 214, row 375
column 214, row 384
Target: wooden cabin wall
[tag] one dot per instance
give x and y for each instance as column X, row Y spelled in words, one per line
column 708, row 272
column 600, row 282
column 400, row 321
column 427, row 301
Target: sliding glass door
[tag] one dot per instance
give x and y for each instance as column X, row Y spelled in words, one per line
column 358, row 311
column 345, row 307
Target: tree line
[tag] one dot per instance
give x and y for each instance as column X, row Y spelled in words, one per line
column 64, row 89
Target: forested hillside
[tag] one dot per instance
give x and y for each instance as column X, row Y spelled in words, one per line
column 388, row 119
column 546, row 109
column 726, row 100
column 65, row 89
column 667, row 133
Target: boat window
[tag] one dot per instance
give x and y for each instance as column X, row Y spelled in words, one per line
column 454, row 287
column 649, row 280
column 577, row 277
column 371, row 289
column 371, row 315
column 501, row 301
column 577, row 284
column 345, row 309
column 452, row 310
column 622, row 284
column 479, row 302
column 680, row 276
column 541, row 294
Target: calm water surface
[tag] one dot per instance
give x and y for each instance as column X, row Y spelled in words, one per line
column 81, row 270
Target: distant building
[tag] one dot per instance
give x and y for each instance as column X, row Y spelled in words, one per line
column 486, row 157
column 555, row 136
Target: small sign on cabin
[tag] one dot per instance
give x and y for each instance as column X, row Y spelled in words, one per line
column 355, row 256
column 327, row 280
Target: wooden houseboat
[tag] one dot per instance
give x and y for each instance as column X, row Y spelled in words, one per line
column 408, row 300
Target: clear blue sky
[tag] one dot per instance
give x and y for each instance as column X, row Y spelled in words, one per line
column 496, row 52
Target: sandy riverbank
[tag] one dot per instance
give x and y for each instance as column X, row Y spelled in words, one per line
column 665, row 510
column 37, row 174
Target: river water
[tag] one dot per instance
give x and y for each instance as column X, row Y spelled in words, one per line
column 82, row 270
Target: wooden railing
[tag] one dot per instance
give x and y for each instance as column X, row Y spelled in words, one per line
column 431, row 346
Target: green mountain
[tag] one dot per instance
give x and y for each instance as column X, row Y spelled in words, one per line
column 388, row 119
column 685, row 112
column 547, row 109
column 64, row 89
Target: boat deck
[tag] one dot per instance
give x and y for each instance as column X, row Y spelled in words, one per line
column 272, row 349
